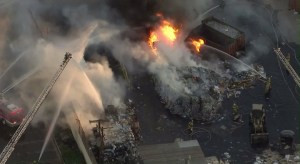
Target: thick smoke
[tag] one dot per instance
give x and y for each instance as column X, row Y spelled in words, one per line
column 268, row 17
column 44, row 32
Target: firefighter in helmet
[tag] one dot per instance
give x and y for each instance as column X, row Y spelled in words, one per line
column 191, row 126
column 268, row 87
column 235, row 109
column 236, row 117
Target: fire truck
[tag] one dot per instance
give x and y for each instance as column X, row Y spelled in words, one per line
column 10, row 114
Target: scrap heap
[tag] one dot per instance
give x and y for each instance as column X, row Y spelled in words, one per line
column 116, row 136
column 203, row 91
column 244, row 79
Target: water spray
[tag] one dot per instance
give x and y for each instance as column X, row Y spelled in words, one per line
column 11, row 65
column 56, row 115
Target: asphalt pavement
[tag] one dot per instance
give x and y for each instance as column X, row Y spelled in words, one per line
column 29, row 146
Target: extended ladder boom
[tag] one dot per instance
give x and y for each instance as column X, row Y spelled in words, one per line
column 9, row 148
column 287, row 66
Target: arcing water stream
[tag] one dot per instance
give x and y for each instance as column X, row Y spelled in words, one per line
column 11, row 65
column 237, row 60
column 56, row 115
column 93, row 90
column 24, row 77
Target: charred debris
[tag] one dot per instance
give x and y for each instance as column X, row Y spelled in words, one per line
column 204, row 91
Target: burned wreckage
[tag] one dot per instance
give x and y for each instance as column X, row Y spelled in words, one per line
column 204, row 90
column 116, row 136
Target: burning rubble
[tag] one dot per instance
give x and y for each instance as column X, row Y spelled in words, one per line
column 204, row 92
column 166, row 32
column 204, row 89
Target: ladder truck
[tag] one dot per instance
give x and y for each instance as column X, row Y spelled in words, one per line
column 9, row 148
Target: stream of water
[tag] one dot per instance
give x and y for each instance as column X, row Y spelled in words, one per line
column 11, row 65
column 238, row 61
column 56, row 115
column 24, row 77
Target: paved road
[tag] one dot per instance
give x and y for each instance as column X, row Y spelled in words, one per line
column 29, row 147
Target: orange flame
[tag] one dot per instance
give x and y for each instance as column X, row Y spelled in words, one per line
column 152, row 39
column 166, row 32
column 197, row 44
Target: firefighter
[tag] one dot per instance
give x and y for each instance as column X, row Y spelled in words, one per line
column 236, row 117
column 268, row 87
column 235, row 109
column 191, row 126
column 288, row 59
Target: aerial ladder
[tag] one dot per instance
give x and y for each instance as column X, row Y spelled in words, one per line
column 287, row 65
column 9, row 148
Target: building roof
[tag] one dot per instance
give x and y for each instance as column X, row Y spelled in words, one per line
column 175, row 153
column 222, row 27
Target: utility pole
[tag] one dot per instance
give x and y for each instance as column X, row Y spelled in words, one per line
column 100, row 130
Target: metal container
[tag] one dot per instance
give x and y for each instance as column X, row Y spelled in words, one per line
column 219, row 35
column 294, row 5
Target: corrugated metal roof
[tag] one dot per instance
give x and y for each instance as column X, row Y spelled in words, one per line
column 222, row 28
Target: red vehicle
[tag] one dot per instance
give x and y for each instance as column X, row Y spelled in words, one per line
column 11, row 114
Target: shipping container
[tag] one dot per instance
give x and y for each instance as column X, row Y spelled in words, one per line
column 219, row 35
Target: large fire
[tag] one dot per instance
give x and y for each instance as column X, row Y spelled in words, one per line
column 152, row 39
column 197, row 44
column 166, row 32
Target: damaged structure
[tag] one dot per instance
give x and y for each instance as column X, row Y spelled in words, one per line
column 116, row 136
column 219, row 35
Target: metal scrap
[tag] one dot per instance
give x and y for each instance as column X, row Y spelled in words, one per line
column 117, row 138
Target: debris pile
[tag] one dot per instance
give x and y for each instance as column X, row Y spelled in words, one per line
column 203, row 91
column 269, row 156
column 116, row 136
